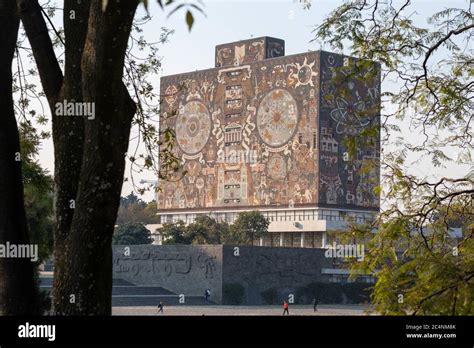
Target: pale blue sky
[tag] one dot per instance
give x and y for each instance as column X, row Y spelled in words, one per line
column 228, row 21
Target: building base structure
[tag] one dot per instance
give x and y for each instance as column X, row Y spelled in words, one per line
column 239, row 275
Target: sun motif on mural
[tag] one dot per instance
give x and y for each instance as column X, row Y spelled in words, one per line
column 305, row 73
column 277, row 117
column 193, row 127
column 171, row 94
column 348, row 116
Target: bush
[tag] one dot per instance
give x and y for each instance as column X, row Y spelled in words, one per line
column 270, row 296
column 131, row 234
column 233, row 294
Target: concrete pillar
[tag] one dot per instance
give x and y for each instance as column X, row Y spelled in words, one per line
column 325, row 240
column 281, row 239
column 302, row 239
column 261, row 241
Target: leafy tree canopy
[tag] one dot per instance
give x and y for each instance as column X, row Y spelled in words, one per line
column 248, row 227
column 427, row 79
column 132, row 234
column 132, row 209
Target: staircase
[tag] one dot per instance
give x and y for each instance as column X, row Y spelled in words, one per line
column 126, row 294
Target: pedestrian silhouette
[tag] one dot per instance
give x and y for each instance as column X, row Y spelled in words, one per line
column 285, row 308
column 160, row 307
column 315, row 304
column 207, row 294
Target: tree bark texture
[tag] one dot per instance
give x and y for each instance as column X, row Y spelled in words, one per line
column 18, row 291
column 89, row 153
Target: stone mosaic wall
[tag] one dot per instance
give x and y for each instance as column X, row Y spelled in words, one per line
column 271, row 132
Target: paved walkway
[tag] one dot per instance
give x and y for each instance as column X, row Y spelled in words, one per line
column 243, row 310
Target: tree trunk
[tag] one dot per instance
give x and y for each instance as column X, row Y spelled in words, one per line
column 68, row 137
column 18, row 291
column 87, row 272
column 89, row 154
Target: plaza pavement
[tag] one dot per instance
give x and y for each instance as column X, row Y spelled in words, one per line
column 299, row 310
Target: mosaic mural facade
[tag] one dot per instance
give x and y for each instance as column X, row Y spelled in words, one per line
column 249, row 51
column 270, row 132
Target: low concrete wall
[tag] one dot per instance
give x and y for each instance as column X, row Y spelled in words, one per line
column 261, row 268
column 182, row 269
column 190, row 269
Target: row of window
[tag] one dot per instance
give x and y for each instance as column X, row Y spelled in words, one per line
column 346, row 279
column 286, row 215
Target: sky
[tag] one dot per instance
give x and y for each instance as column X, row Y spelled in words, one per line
column 228, row 21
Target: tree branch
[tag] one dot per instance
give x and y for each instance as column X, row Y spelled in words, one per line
column 43, row 51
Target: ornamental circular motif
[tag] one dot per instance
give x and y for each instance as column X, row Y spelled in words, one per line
column 277, row 117
column 193, row 127
column 171, row 94
column 305, row 74
column 277, row 167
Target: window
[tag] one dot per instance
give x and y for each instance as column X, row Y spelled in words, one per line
column 272, row 216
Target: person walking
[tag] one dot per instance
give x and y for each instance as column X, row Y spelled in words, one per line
column 207, row 294
column 160, row 308
column 315, row 304
column 285, row 308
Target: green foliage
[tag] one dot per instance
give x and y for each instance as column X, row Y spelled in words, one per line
column 420, row 267
column 38, row 192
column 206, row 230
column 248, row 228
column 175, row 233
column 131, row 234
column 233, row 294
column 134, row 210
column 420, row 271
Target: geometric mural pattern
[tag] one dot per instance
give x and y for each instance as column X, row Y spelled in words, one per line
column 270, row 132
